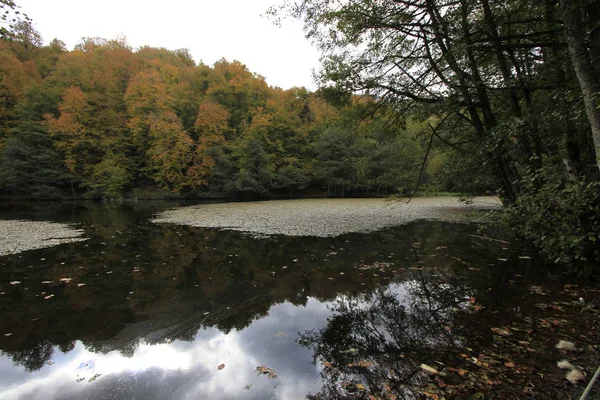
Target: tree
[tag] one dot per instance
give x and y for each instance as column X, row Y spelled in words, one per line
column 73, row 136
column 26, row 39
column 9, row 14
column 29, row 164
column 585, row 56
column 157, row 131
column 15, row 78
column 210, row 127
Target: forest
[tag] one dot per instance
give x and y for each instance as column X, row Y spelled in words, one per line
column 443, row 95
column 105, row 120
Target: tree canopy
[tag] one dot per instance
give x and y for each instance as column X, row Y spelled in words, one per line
column 512, row 86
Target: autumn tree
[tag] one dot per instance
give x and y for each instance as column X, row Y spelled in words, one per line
column 166, row 149
column 73, row 136
column 210, row 127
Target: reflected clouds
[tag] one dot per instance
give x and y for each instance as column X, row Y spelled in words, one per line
column 185, row 369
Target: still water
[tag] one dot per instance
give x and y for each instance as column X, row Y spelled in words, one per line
column 142, row 310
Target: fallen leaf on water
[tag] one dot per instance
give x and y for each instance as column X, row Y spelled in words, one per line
column 501, row 331
column 509, row 364
column 430, row 395
column 575, row 376
column 247, row 387
column 566, row 345
column 461, row 372
column 220, row 367
column 564, row 364
column 93, row 378
column 360, row 386
column 263, row 369
column 429, row 370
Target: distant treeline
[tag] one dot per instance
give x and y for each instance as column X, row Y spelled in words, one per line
column 105, row 120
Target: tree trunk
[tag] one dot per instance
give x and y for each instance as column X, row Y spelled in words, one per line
column 584, row 70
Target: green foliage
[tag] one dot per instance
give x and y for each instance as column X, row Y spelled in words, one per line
column 29, row 163
column 563, row 222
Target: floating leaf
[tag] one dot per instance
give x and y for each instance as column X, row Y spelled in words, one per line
column 429, row 370
column 575, row 376
column 220, row 367
column 564, row 364
column 501, row 331
column 566, row 345
column 430, row 395
column 360, row 386
column 263, row 369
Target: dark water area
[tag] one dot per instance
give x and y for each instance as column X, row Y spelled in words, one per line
column 153, row 311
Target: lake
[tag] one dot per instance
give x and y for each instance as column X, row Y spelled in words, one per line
column 154, row 300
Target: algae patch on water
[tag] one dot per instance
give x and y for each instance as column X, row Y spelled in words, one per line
column 19, row 235
column 320, row 217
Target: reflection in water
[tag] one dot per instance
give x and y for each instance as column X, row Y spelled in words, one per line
column 149, row 311
column 379, row 340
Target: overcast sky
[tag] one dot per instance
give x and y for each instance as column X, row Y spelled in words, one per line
column 233, row 29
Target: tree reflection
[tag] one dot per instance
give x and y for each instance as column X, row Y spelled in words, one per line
column 34, row 357
column 376, row 343
column 137, row 282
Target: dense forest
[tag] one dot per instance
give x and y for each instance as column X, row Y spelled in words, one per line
column 105, row 120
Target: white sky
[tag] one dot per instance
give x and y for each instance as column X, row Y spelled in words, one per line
column 213, row 29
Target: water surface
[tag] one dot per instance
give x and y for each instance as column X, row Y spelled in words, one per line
column 150, row 311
